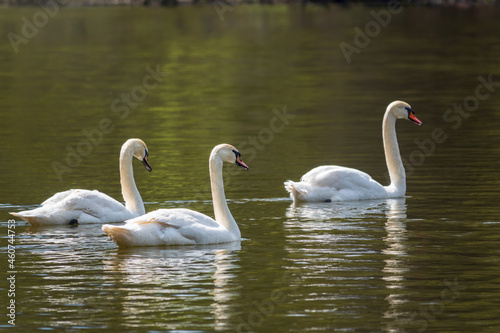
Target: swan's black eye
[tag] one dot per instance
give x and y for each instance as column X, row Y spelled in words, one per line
column 146, row 154
column 236, row 153
column 409, row 110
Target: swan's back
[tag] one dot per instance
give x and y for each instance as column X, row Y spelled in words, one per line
column 169, row 227
column 338, row 177
column 335, row 183
column 91, row 201
column 58, row 198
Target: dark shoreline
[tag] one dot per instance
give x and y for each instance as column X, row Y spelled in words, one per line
column 173, row 3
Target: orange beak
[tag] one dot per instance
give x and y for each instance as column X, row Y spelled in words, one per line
column 414, row 119
column 240, row 163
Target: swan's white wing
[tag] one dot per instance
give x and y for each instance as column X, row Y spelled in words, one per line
column 338, row 177
column 57, row 198
column 335, row 183
column 169, row 227
column 178, row 218
column 93, row 203
column 82, row 205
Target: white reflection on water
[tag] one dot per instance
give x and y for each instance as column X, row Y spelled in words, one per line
column 396, row 235
column 344, row 243
column 79, row 278
column 395, row 264
column 174, row 279
column 223, row 293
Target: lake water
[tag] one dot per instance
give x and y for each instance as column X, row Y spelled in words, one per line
column 274, row 82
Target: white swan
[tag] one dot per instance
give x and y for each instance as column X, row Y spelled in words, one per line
column 335, row 183
column 183, row 226
column 84, row 206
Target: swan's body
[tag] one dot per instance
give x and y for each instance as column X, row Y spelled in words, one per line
column 85, row 206
column 177, row 226
column 335, row 183
column 184, row 226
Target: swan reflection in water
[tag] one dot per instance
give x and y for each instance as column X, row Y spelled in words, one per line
column 396, row 266
column 166, row 281
column 343, row 225
column 321, row 211
column 328, row 237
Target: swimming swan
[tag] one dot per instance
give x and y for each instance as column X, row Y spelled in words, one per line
column 184, row 226
column 84, row 206
column 335, row 183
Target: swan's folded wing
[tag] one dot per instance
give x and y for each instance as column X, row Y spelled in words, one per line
column 58, row 198
column 337, row 183
column 93, row 203
column 176, row 218
column 172, row 227
column 337, row 177
column 313, row 173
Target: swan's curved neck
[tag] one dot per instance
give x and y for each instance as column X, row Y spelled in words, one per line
column 133, row 200
column 222, row 214
column 393, row 157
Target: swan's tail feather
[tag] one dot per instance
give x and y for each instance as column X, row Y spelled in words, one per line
column 121, row 236
column 295, row 193
column 291, row 188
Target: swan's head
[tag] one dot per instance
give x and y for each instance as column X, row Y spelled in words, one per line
column 228, row 153
column 402, row 110
column 140, row 150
